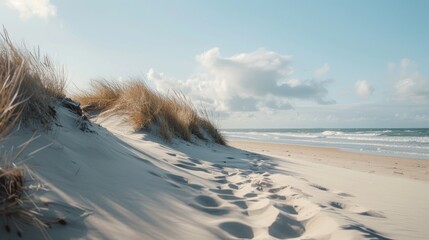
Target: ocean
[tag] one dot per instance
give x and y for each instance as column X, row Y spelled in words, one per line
column 403, row 142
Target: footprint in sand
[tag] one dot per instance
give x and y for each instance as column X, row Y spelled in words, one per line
column 337, row 205
column 241, row 204
column 237, row 229
column 250, row 195
column 195, row 186
column 286, row 208
column 229, row 197
column 275, row 190
column 233, row 186
column 211, row 211
column 209, row 205
column 223, row 191
column 285, row 227
column 184, row 181
column 277, row 197
column 221, row 181
column 207, row 201
column 177, row 178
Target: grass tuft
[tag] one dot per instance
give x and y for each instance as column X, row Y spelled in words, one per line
column 103, row 96
column 11, row 184
column 29, row 83
column 17, row 206
column 174, row 114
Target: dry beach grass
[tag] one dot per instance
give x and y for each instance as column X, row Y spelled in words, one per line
column 173, row 113
column 30, row 83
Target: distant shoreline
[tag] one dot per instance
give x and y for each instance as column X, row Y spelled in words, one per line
column 381, row 154
column 403, row 143
column 396, row 166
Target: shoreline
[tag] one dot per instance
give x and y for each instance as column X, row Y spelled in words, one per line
column 412, row 168
column 391, row 142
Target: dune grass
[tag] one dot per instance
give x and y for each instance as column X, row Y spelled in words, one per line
column 144, row 107
column 30, row 83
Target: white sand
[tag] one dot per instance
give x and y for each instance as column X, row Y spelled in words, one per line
column 116, row 184
column 386, row 194
column 403, row 167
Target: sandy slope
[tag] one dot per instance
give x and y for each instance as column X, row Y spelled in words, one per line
column 111, row 183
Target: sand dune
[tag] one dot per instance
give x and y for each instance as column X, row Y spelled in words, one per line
column 108, row 182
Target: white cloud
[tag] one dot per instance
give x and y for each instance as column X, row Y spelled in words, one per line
column 363, row 88
column 255, row 81
column 322, row 71
column 413, row 86
column 30, row 8
column 409, row 84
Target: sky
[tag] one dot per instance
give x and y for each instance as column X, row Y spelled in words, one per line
column 251, row 64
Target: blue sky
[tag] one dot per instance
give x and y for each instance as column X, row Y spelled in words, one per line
column 252, row 63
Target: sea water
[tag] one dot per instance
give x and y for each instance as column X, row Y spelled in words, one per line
column 410, row 142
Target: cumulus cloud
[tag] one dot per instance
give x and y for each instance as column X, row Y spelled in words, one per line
column 409, row 84
column 363, row 88
column 30, row 8
column 322, row 71
column 252, row 81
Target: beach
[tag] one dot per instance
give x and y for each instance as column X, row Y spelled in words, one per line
column 402, row 167
column 397, row 188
